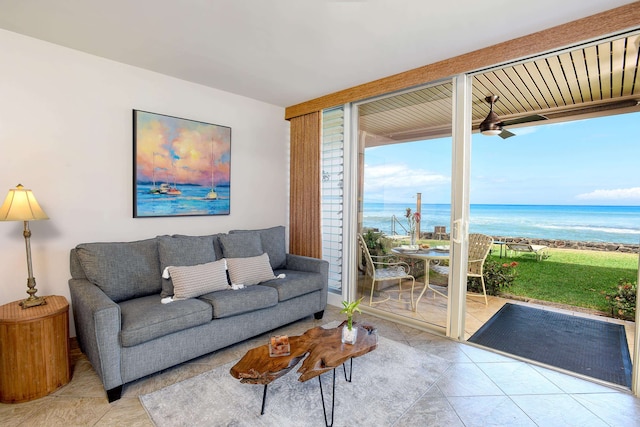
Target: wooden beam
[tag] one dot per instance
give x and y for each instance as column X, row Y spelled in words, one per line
column 616, row 20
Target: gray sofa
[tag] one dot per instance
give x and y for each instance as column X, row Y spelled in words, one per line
column 131, row 321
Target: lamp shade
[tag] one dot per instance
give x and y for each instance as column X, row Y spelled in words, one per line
column 21, row 205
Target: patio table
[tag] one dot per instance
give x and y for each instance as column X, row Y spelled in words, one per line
column 426, row 255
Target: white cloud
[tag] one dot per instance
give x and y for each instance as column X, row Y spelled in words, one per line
column 616, row 194
column 400, row 180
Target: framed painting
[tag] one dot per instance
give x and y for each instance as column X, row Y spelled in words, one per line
column 181, row 167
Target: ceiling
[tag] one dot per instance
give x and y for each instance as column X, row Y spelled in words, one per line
column 285, row 52
column 592, row 80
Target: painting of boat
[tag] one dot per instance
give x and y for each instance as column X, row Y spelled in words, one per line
column 181, row 167
column 212, row 195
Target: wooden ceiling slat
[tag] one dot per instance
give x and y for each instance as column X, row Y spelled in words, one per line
column 636, row 84
column 630, row 65
column 528, row 88
column 593, row 72
column 617, row 65
column 548, row 92
column 557, row 77
column 495, row 83
column 569, row 73
column 537, row 92
column 582, row 75
column 479, row 108
column 604, row 60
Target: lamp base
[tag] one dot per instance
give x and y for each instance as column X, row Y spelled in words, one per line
column 33, row 301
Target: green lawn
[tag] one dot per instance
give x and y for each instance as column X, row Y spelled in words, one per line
column 574, row 277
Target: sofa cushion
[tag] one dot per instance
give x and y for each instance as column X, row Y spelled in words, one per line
column 195, row 280
column 273, row 243
column 146, row 318
column 295, row 283
column 231, row 303
column 250, row 270
column 240, row 245
column 181, row 251
column 122, row 270
column 216, row 243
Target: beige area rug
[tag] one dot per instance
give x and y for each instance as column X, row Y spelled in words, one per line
column 386, row 383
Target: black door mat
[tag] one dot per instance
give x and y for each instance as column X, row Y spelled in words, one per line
column 590, row 347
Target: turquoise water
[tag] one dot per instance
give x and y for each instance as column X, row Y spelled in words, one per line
column 191, row 202
column 615, row 224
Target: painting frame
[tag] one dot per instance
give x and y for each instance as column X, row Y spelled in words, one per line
column 181, row 167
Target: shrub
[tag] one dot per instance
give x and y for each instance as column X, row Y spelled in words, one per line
column 497, row 277
column 375, row 242
column 623, row 300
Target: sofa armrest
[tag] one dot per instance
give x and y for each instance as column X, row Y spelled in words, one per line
column 305, row 263
column 97, row 322
column 314, row 265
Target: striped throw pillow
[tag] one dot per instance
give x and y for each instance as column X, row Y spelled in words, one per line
column 196, row 280
column 250, row 270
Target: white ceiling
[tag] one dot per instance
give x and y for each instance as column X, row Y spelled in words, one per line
column 284, row 52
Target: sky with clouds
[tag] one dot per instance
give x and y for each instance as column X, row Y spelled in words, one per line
column 585, row 162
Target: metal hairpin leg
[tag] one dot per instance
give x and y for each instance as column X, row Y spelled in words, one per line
column 350, row 370
column 264, row 399
column 333, row 395
column 333, row 398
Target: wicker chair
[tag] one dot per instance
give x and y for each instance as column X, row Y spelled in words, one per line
column 479, row 247
column 383, row 268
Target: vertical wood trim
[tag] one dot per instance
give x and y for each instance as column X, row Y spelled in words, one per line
column 305, row 237
column 609, row 22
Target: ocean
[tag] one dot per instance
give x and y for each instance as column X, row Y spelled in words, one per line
column 614, row 224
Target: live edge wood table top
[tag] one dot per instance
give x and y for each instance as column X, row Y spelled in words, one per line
column 34, row 349
column 323, row 349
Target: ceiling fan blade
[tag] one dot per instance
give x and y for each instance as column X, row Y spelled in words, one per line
column 506, row 134
column 525, row 119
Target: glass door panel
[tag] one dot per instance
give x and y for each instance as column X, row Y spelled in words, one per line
column 404, row 169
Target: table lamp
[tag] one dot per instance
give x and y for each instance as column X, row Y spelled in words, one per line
column 21, row 205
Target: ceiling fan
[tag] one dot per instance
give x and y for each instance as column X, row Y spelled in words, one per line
column 492, row 125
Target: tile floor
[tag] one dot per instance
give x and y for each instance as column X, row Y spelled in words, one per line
column 476, row 388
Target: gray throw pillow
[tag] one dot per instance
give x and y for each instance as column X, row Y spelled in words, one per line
column 183, row 251
column 273, row 243
column 240, row 245
column 123, row 270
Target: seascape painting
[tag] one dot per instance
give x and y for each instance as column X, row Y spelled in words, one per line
column 181, row 167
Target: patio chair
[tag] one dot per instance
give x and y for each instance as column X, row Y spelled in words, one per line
column 479, row 248
column 382, row 268
column 540, row 251
column 439, row 232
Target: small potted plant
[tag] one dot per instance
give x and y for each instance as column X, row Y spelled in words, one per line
column 349, row 333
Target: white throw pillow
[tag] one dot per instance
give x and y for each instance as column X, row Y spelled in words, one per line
column 196, row 280
column 250, row 270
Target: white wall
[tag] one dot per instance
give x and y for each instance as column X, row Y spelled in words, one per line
column 66, row 133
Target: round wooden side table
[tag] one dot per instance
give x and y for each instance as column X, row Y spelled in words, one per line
column 34, row 349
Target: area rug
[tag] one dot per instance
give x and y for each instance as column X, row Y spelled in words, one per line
column 215, row 398
column 590, row 347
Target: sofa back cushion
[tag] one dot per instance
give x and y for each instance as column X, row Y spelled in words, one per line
column 272, row 241
column 240, row 245
column 179, row 251
column 122, row 270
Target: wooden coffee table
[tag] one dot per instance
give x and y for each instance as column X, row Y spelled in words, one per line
column 322, row 351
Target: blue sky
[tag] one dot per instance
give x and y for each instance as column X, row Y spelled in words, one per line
column 585, row 162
